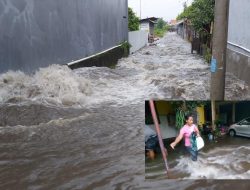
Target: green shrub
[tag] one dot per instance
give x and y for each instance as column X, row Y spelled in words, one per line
column 208, row 55
column 125, row 47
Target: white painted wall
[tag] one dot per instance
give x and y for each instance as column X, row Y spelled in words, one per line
column 137, row 39
column 144, row 26
column 166, row 130
column 239, row 23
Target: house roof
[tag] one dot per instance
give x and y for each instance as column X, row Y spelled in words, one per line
column 173, row 22
column 179, row 22
column 150, row 19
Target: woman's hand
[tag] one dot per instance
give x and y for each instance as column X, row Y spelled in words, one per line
column 197, row 131
column 173, row 145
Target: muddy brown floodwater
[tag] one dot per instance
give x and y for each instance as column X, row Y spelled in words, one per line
column 84, row 129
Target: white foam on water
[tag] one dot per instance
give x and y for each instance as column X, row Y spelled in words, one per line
column 236, row 89
column 52, row 85
column 153, row 72
column 219, row 163
column 165, row 71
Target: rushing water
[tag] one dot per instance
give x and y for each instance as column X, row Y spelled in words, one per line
column 83, row 129
column 227, row 158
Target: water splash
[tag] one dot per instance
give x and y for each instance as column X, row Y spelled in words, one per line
column 77, row 145
column 57, row 85
column 162, row 71
column 219, row 163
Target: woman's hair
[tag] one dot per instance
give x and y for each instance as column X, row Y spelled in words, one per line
column 188, row 116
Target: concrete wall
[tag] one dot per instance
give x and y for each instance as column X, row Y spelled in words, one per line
column 138, row 39
column 167, row 131
column 238, row 54
column 180, row 30
column 239, row 23
column 238, row 64
column 36, row 33
column 144, row 26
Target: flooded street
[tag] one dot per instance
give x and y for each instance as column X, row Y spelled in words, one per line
column 84, row 129
column 228, row 158
column 236, row 89
column 95, row 148
column 167, row 70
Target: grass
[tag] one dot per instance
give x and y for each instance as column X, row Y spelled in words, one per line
column 161, row 32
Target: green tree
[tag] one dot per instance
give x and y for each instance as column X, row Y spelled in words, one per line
column 133, row 20
column 161, row 28
column 160, row 24
column 184, row 108
column 200, row 12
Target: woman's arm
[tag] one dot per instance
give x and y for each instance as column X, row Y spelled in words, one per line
column 177, row 140
column 197, row 131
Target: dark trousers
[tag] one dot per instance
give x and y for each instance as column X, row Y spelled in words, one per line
column 151, row 143
column 192, row 153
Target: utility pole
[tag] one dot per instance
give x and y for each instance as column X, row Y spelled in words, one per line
column 140, row 9
column 218, row 63
column 140, row 13
column 233, row 112
column 213, row 109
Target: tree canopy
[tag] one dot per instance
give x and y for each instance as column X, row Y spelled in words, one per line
column 133, row 20
column 200, row 13
column 161, row 28
column 160, row 23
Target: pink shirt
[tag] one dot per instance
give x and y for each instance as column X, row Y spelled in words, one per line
column 186, row 132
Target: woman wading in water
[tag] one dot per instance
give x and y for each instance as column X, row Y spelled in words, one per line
column 189, row 131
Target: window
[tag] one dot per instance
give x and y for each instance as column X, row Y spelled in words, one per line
column 245, row 122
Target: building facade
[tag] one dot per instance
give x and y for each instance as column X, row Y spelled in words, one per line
column 148, row 24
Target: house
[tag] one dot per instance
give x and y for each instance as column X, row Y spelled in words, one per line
column 172, row 22
column 238, row 45
column 185, row 29
column 180, row 28
column 228, row 113
column 172, row 25
column 148, row 24
column 166, row 116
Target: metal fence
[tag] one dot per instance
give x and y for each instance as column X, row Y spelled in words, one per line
column 35, row 34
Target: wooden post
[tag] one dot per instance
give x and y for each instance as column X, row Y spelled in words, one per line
column 213, row 109
column 219, row 49
column 233, row 112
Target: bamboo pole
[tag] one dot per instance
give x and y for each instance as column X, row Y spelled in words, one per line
column 213, row 109
column 158, row 131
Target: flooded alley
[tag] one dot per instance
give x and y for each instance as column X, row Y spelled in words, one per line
column 166, row 70
column 83, row 129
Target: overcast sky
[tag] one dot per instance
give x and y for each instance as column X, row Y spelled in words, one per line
column 167, row 9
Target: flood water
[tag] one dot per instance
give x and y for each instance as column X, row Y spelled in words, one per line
column 83, row 129
column 225, row 158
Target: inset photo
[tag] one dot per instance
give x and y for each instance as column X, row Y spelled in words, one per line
column 197, row 139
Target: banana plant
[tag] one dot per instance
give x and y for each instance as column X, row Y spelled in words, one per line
column 180, row 117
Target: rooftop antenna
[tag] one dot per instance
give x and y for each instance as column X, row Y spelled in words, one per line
column 140, row 13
